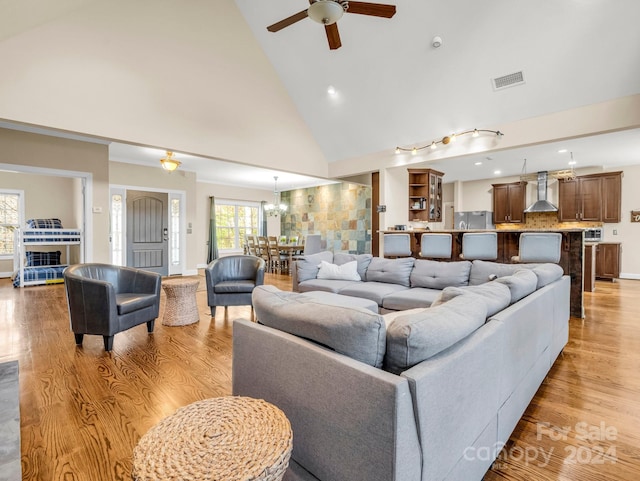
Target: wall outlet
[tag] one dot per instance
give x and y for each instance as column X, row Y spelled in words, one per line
column 97, row 210
column 615, row 231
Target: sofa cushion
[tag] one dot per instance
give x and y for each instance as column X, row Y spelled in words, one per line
column 521, row 284
column 410, row 298
column 438, row 275
column 234, row 287
column 547, row 273
column 484, row 271
column 307, row 266
column 353, row 331
column 35, row 258
column 344, row 272
column 363, row 261
column 327, row 285
column 340, row 300
column 375, row 291
column 417, row 336
column 391, row 271
column 127, row 302
column 389, row 317
column 496, row 295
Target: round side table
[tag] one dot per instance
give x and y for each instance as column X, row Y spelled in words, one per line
column 228, row 438
column 181, row 307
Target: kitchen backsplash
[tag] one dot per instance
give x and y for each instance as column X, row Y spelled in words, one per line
column 546, row 220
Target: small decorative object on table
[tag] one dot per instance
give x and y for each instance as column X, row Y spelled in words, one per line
column 230, row 438
column 181, row 307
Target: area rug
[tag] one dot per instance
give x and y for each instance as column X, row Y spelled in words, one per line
column 10, row 468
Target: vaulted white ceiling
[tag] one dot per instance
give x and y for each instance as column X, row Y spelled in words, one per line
column 206, row 78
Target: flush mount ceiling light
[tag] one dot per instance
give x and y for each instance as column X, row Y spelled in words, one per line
column 277, row 208
column 446, row 140
column 169, row 163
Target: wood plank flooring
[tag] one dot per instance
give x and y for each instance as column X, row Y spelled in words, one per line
column 83, row 410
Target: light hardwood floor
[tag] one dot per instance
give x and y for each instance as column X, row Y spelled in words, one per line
column 83, row 410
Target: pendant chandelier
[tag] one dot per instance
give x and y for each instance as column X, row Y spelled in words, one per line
column 277, row 208
column 169, row 162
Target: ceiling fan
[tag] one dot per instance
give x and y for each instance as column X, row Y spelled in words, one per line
column 328, row 12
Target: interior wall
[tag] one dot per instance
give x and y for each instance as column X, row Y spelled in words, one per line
column 45, row 152
column 159, row 180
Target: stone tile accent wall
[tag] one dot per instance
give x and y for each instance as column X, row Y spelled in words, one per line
column 341, row 213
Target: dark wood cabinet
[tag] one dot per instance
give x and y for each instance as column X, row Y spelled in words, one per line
column 425, row 195
column 593, row 198
column 608, row 260
column 611, row 197
column 509, row 202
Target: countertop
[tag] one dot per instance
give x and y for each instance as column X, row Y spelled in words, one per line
column 462, row 231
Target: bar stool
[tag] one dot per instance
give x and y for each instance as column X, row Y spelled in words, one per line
column 539, row 247
column 435, row 246
column 480, row 246
column 397, row 245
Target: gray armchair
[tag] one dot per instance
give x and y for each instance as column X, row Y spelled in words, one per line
column 106, row 299
column 231, row 280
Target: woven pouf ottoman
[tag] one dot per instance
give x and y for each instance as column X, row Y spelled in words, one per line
column 181, row 307
column 228, row 438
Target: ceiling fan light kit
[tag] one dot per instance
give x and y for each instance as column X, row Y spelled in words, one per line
column 448, row 139
column 328, row 12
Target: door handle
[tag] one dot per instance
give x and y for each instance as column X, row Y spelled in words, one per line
column 165, row 234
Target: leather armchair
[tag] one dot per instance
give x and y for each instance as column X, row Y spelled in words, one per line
column 231, row 280
column 106, row 299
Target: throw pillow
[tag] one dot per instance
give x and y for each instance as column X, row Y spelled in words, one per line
column 547, row 273
column 307, row 266
column 363, row 260
column 345, row 272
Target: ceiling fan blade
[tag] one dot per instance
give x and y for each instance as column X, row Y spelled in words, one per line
column 333, row 36
column 287, row 21
column 375, row 9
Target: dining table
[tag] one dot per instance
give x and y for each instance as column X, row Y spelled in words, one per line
column 291, row 250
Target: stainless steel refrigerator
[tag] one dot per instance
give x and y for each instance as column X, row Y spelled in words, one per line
column 475, row 219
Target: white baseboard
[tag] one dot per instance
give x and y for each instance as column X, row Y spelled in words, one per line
column 190, row 272
column 201, row 266
column 629, row 275
column 6, row 274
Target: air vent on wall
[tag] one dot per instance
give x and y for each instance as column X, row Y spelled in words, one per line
column 511, row 80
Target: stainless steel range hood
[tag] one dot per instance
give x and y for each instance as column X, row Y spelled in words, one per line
column 542, row 204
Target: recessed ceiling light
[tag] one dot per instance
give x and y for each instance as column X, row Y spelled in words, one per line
column 477, row 163
column 497, row 172
column 331, row 90
column 562, row 151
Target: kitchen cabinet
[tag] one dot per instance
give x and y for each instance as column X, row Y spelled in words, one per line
column 593, row 198
column 608, row 260
column 509, row 202
column 611, row 197
column 425, row 195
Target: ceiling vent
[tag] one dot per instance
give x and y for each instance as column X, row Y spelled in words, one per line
column 511, row 80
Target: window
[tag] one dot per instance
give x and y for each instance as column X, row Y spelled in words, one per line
column 11, row 213
column 234, row 221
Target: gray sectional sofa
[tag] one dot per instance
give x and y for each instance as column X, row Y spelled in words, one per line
column 417, row 393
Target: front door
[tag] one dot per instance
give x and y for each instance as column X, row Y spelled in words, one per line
column 147, row 231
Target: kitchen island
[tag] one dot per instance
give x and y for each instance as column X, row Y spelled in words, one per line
column 571, row 253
